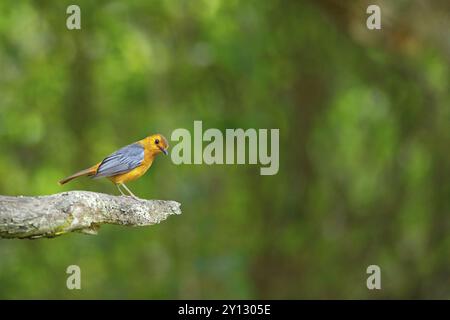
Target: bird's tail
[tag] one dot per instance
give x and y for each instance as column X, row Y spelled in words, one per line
column 86, row 172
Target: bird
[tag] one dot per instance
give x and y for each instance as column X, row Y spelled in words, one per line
column 126, row 164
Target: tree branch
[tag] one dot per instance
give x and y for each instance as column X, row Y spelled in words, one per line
column 82, row 211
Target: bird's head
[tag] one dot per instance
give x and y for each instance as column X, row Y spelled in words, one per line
column 158, row 143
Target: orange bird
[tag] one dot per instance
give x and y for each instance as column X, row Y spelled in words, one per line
column 126, row 164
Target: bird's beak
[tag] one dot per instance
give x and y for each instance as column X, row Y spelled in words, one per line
column 163, row 150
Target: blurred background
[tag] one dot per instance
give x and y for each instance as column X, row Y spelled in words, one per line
column 364, row 145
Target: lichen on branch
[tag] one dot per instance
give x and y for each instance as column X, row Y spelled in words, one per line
column 81, row 211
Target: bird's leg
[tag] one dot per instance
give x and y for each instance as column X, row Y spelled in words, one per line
column 129, row 191
column 121, row 192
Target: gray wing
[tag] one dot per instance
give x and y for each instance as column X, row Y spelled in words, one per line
column 121, row 161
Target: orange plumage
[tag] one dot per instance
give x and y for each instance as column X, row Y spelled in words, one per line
column 126, row 164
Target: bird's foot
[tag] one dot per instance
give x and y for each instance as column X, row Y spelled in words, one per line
column 135, row 198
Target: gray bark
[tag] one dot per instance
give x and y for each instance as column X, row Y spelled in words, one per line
column 82, row 211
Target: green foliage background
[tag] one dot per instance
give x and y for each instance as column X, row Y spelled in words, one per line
column 364, row 150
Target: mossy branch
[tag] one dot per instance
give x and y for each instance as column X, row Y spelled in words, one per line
column 53, row 215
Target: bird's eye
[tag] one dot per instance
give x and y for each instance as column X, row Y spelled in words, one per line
column 156, row 141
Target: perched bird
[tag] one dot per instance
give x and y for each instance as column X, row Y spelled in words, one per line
column 126, row 164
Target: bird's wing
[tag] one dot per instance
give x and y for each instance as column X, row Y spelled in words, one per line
column 121, row 161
